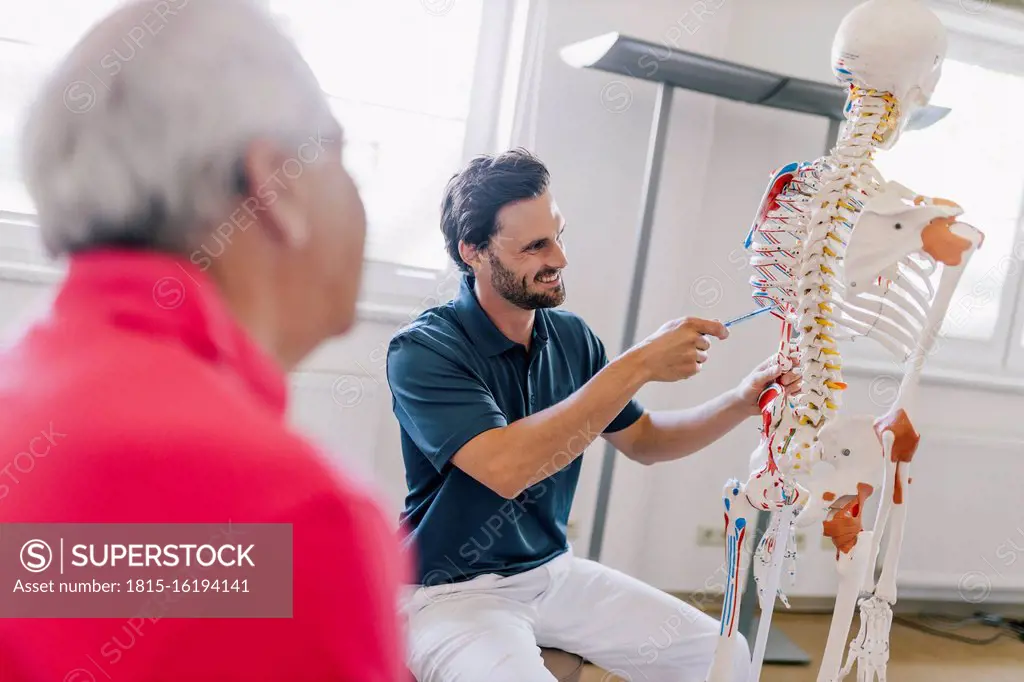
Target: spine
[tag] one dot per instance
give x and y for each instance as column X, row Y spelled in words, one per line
column 848, row 177
column 818, row 354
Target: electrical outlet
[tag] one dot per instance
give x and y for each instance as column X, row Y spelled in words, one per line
column 714, row 536
column 710, row 536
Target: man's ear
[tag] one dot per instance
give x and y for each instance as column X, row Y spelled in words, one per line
column 471, row 255
column 278, row 202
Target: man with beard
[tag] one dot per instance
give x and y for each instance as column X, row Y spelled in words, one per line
column 497, row 395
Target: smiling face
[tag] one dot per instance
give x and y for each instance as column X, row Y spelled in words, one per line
column 524, row 261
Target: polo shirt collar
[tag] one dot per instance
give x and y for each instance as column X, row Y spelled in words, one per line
column 486, row 337
column 167, row 297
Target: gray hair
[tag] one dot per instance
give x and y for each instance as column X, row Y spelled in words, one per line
column 137, row 135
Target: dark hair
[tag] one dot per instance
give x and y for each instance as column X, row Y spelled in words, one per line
column 475, row 194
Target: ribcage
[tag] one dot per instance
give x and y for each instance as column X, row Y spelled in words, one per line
column 893, row 310
column 777, row 239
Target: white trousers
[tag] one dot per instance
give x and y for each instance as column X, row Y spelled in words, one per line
column 490, row 628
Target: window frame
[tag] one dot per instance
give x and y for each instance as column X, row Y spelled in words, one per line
column 390, row 291
column 988, row 38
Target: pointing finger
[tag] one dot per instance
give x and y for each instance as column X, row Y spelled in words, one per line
column 710, row 327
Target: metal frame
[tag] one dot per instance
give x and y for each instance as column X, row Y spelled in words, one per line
column 670, row 69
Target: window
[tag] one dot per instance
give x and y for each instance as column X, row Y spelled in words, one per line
column 418, row 85
column 400, row 76
column 30, row 43
column 972, row 157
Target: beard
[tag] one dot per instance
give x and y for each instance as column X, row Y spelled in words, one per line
column 516, row 290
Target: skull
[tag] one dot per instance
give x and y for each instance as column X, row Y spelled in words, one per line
column 894, row 46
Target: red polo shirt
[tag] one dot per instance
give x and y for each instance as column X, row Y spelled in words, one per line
column 140, row 400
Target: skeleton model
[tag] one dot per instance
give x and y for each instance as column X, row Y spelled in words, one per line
column 840, row 253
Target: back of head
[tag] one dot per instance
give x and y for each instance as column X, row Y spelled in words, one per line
column 137, row 137
column 891, row 46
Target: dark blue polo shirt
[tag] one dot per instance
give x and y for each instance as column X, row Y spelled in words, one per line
column 454, row 375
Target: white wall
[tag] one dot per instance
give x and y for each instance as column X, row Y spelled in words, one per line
column 592, row 130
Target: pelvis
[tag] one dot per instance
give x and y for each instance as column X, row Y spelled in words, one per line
column 767, row 488
column 854, row 455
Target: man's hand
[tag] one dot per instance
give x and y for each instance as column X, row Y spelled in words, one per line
column 765, row 373
column 678, row 349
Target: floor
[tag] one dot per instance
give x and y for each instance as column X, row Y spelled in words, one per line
column 916, row 656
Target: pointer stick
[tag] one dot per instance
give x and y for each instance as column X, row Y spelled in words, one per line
column 748, row 316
